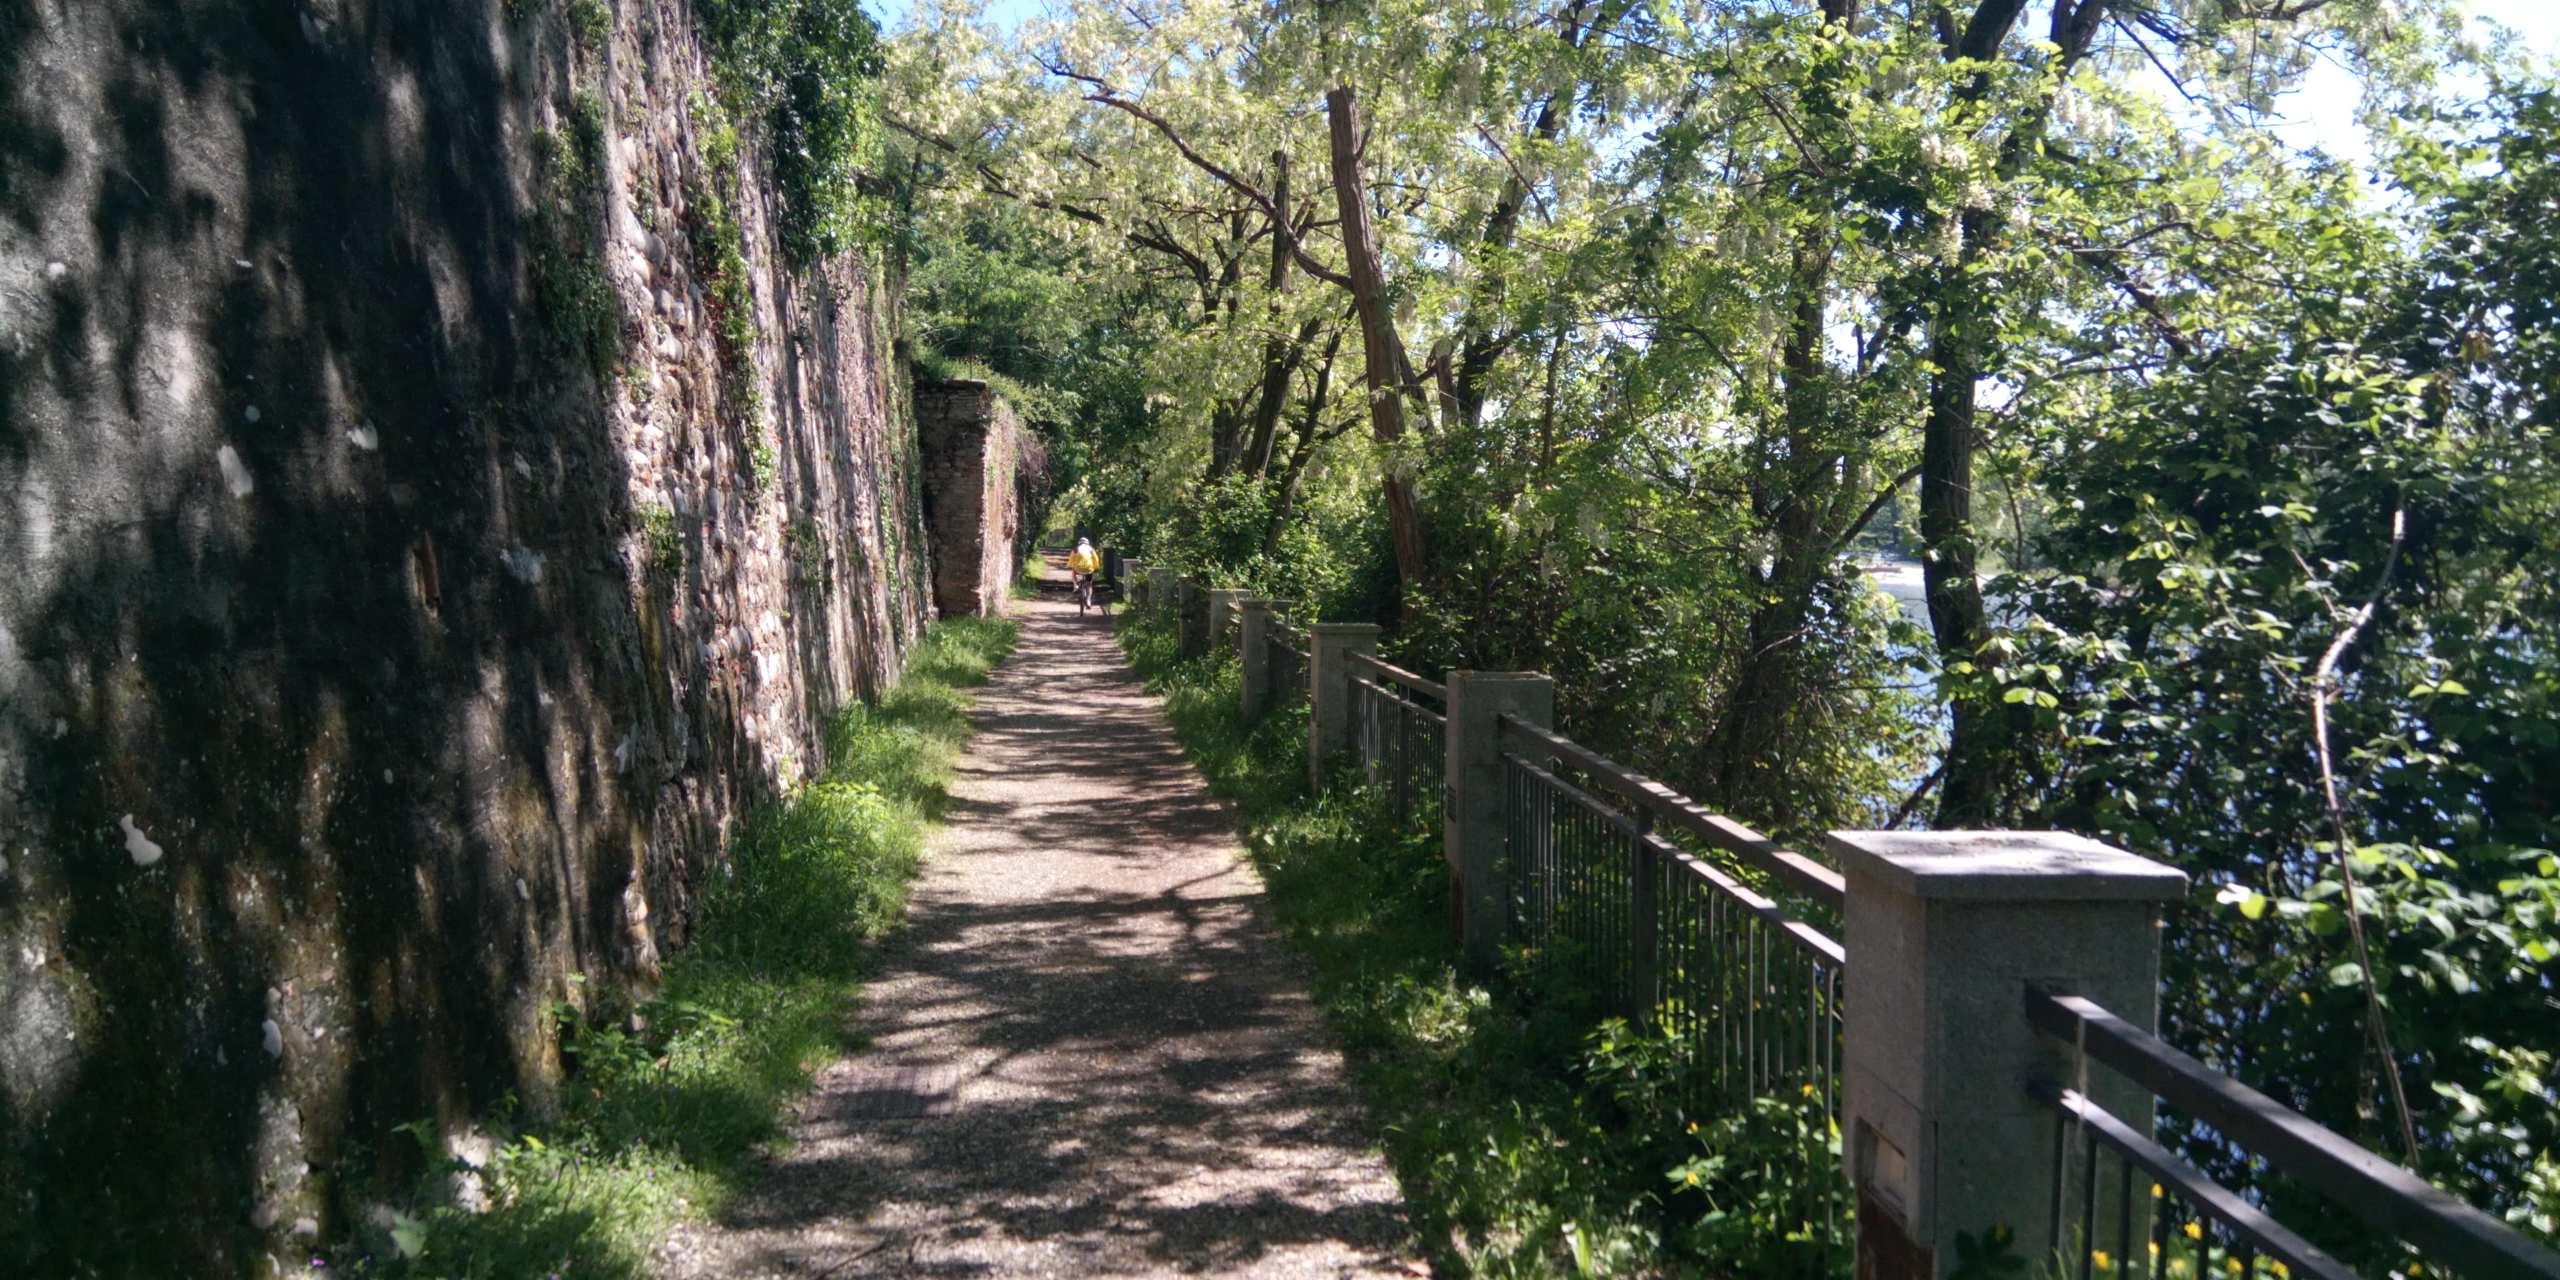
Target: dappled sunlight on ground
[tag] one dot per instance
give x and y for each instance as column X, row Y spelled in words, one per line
column 1087, row 1054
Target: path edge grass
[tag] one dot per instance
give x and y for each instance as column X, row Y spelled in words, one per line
column 673, row 1102
column 1531, row 1136
column 1478, row 1102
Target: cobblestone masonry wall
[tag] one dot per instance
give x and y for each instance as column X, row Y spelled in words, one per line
column 973, row 454
column 381, row 660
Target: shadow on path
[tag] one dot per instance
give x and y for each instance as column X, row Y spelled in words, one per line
column 1087, row 1054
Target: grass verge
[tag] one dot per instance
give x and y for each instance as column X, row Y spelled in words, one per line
column 672, row 1102
column 1530, row 1137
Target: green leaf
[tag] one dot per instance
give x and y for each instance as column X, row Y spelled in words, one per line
column 2345, row 973
column 408, row 1235
column 2323, row 919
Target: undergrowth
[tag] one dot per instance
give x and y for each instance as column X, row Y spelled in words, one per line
column 810, row 69
column 566, row 260
column 672, row 1101
column 1531, row 1137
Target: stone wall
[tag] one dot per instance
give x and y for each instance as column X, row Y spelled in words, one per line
column 974, row 456
column 405, row 586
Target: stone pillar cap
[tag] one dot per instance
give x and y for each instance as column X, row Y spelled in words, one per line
column 2004, row 866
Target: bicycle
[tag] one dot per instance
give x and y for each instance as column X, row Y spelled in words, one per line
column 1084, row 593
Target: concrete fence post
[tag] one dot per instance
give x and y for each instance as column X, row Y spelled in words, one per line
column 1254, row 643
column 1160, row 588
column 1223, row 614
column 1136, row 590
column 1472, row 827
column 1947, row 930
column 1329, row 649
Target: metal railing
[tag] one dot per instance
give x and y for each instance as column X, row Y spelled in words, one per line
column 1748, row 995
column 1725, row 945
column 1400, row 726
column 2189, row 1226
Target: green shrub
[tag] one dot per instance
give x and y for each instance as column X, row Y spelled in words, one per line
column 661, row 541
column 1529, row 1135
column 591, row 22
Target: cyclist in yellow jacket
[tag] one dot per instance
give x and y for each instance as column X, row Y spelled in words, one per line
column 1082, row 564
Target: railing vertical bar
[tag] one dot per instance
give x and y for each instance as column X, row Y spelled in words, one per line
column 2160, row 1238
column 2124, row 1213
column 2061, row 1142
column 2088, row 1209
column 1404, row 763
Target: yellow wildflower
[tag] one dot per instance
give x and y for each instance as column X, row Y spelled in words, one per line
column 2195, row 1231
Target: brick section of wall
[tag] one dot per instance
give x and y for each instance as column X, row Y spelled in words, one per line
column 973, row 452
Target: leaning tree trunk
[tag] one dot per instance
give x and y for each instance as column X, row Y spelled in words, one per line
column 1380, row 345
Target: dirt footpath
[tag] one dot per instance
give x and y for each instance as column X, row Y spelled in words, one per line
column 1088, row 1054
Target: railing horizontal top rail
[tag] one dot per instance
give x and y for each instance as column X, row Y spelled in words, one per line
column 1401, row 676
column 1410, row 707
column 2215, row 1201
column 1801, row 875
column 2411, row 1208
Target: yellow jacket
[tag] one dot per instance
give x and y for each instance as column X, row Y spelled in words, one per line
column 1084, row 560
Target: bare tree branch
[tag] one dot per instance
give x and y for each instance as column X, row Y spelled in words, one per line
column 1108, row 95
column 2323, row 685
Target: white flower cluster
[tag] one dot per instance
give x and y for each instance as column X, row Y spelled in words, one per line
column 2075, row 112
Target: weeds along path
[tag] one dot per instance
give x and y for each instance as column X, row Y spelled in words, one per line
column 1088, row 1053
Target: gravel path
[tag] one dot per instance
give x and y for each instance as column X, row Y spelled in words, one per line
column 1087, row 1054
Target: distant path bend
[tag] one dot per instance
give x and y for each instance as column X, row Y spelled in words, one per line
column 1088, row 1053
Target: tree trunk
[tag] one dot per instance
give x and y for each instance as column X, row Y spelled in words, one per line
column 1284, row 503
column 1981, row 731
column 1803, row 511
column 1984, row 735
column 1280, row 355
column 1800, row 508
column 1226, row 430
column 1387, row 374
